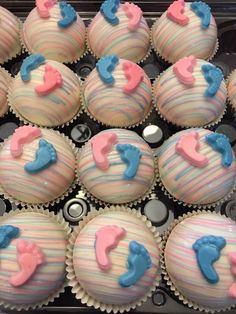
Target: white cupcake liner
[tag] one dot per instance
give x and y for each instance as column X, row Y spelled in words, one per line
column 165, row 274
column 79, row 291
column 65, row 225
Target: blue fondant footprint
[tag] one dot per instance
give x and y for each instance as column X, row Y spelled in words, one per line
column 131, row 156
column 109, row 9
column 30, row 63
column 138, row 262
column 214, row 77
column 105, row 66
column 207, row 250
column 7, row 233
column 202, row 10
column 68, row 14
column 221, row 144
column 46, row 155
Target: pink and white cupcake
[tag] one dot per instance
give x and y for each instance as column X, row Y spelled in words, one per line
column 231, row 87
column 5, row 80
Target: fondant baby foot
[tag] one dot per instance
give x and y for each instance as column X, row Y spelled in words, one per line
column 214, row 77
column 183, row 69
column 29, row 258
column 107, row 238
column 7, row 233
column 131, row 156
column 52, row 79
column 43, row 7
column 208, row 250
column 45, row 156
column 108, row 10
column 29, row 64
column 101, row 146
column 134, row 75
column 23, row 135
column 175, row 12
column 134, row 13
column 221, row 144
column 202, row 10
column 68, row 14
column 139, row 261
column 232, row 258
column 232, row 290
column 105, row 66
column 188, row 146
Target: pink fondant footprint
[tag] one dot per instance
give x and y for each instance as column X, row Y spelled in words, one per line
column 101, row 146
column 107, row 238
column 134, row 75
column 183, row 69
column 43, row 7
column 21, row 136
column 134, row 13
column 175, row 12
column 52, row 80
column 188, row 146
column 232, row 289
column 29, row 258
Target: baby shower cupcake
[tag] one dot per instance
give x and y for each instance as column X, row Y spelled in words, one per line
column 119, row 29
column 118, row 249
column 185, row 29
column 231, row 87
column 191, row 93
column 33, row 253
column 45, row 92
column 197, row 167
column 117, row 92
column 54, row 30
column 199, row 261
column 37, row 166
column 10, row 44
column 116, row 166
column 5, row 80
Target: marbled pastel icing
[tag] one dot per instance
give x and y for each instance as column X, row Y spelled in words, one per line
column 127, row 109
column 110, row 185
column 41, row 187
column 49, row 110
column 10, row 44
column 231, row 87
column 90, row 275
column 105, row 38
column 49, row 277
column 191, row 184
column 186, row 105
column 5, row 80
column 173, row 41
column 181, row 263
column 44, row 36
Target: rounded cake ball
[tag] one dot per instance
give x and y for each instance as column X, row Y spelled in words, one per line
column 119, row 29
column 191, row 93
column 197, row 167
column 117, row 92
column 37, row 166
column 45, row 92
column 199, row 261
column 116, row 166
column 231, row 87
column 5, row 80
column 118, row 249
column 33, row 254
column 185, row 29
column 10, row 44
column 54, row 30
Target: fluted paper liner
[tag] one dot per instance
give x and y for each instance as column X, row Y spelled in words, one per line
column 165, row 274
column 78, row 290
column 65, row 225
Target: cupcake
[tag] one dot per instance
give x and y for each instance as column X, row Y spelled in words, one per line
column 54, row 30
column 116, row 166
column 197, row 167
column 116, row 249
column 117, row 92
column 119, row 29
column 199, row 261
column 231, row 87
column 10, row 44
column 5, row 80
column 37, row 166
column 33, row 253
column 185, row 29
column 45, row 92
column 191, row 93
